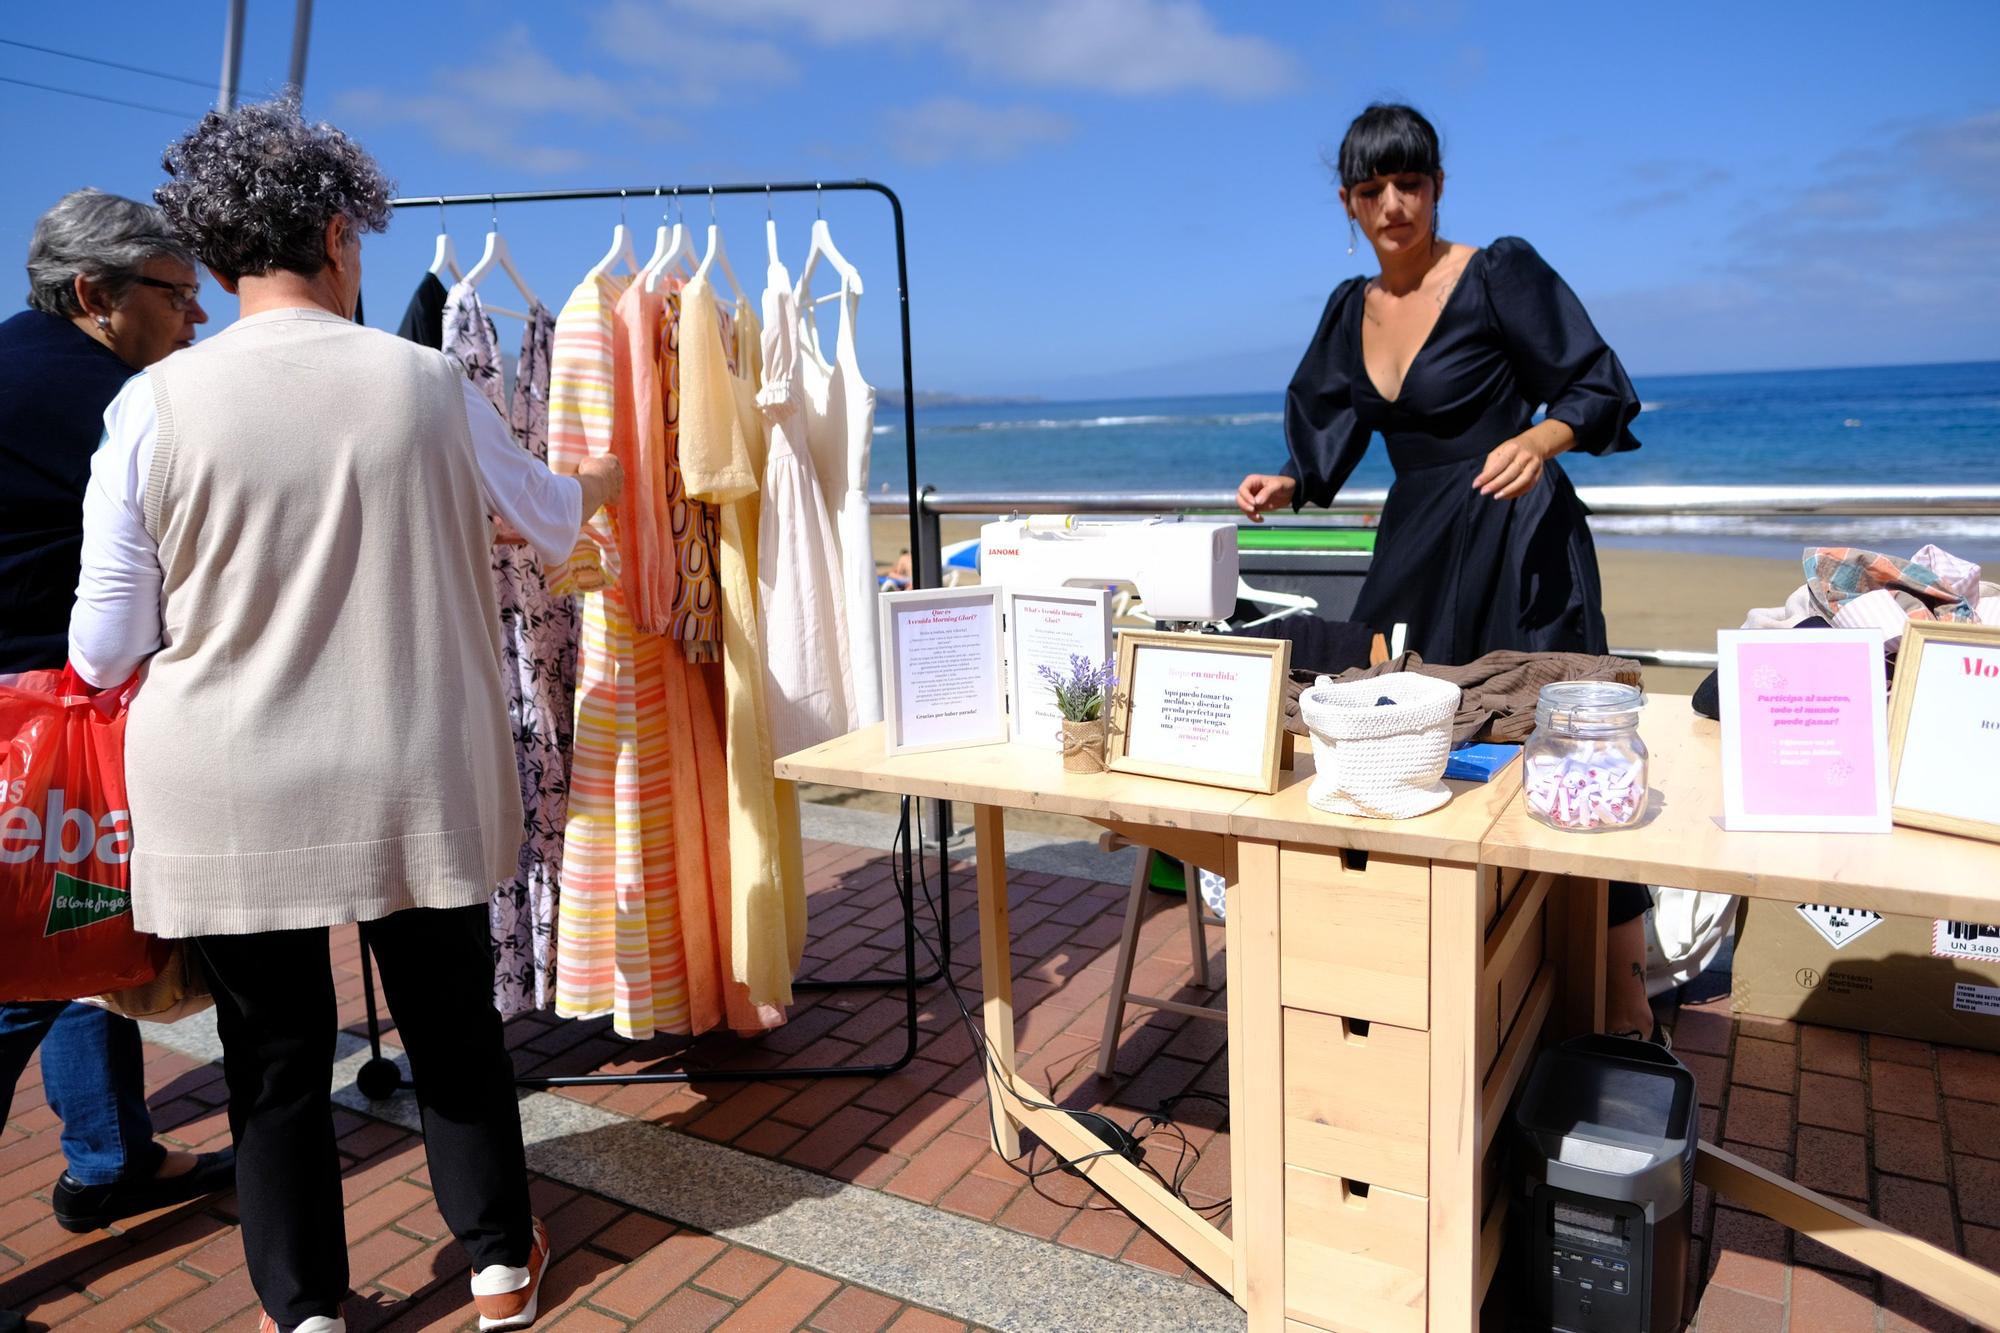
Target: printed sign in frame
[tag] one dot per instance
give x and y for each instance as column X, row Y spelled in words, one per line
column 942, row 683
column 1804, row 730
column 1944, row 729
column 1044, row 627
column 1200, row 708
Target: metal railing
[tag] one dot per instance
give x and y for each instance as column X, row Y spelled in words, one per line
column 1603, row 501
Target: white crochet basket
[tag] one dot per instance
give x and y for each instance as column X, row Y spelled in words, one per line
column 1379, row 761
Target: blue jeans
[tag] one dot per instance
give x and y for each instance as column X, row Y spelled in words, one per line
column 94, row 1078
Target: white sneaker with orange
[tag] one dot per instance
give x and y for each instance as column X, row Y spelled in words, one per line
column 509, row 1297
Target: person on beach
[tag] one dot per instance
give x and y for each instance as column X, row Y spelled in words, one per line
column 109, row 293
column 1447, row 352
column 287, row 526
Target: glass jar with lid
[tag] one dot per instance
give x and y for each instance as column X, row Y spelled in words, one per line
column 1584, row 769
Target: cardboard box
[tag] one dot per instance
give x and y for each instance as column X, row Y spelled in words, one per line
column 1935, row 981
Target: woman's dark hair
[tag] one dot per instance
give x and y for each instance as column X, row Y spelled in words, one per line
column 253, row 189
column 1385, row 140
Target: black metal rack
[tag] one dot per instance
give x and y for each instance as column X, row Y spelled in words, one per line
column 380, row 1077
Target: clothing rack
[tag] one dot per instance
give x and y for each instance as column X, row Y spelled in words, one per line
column 380, row 1077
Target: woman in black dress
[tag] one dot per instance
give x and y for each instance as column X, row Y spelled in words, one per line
column 1448, row 353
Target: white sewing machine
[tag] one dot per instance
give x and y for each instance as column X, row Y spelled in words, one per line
column 1185, row 569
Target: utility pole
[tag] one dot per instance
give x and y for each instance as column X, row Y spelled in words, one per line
column 302, row 17
column 232, row 56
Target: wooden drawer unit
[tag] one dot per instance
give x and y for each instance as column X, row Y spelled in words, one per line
column 1355, row 1262
column 1355, row 939
column 1357, row 1100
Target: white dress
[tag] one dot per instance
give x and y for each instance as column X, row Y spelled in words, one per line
column 808, row 682
column 840, row 428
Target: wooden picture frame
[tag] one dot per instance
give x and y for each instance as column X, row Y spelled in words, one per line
column 1922, row 711
column 987, row 691
column 1141, row 652
column 1027, row 690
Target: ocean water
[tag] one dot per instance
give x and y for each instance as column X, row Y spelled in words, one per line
column 1914, row 425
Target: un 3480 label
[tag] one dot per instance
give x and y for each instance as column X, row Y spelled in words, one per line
column 1965, row 939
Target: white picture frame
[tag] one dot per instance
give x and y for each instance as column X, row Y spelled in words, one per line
column 1805, row 731
column 943, row 682
column 1044, row 625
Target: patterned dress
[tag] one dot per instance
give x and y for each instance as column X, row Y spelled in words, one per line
column 619, row 934
column 539, row 643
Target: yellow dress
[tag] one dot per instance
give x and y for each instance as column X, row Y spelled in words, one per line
column 722, row 446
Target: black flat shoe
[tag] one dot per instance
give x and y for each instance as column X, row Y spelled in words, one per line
column 94, row 1207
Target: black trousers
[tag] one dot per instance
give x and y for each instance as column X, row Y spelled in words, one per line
column 274, row 1005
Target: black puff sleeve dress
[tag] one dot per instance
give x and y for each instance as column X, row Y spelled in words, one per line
column 1469, row 574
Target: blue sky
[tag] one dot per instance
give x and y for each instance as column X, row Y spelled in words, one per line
column 1125, row 196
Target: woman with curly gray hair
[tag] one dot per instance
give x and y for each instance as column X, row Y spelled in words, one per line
column 297, row 515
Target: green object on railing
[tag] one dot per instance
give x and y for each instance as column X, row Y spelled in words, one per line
column 1250, row 538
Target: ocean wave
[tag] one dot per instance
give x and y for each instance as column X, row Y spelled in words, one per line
column 1106, row 422
column 1808, row 530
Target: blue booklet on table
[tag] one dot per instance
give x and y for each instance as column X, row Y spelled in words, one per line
column 1477, row 763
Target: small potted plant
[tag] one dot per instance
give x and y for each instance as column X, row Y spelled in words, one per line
column 1081, row 698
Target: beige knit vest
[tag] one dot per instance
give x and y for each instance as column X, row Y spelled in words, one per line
column 323, row 735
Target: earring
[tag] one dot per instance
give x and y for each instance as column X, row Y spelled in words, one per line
column 1351, row 236
column 104, row 322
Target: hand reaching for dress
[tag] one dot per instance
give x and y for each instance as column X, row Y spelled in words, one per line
column 1511, row 470
column 1262, row 492
column 603, row 479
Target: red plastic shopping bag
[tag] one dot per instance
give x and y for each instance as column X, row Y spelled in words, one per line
column 66, row 843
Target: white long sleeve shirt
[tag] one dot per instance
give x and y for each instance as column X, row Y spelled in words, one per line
column 116, row 622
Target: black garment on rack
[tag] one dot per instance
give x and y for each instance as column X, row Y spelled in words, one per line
column 423, row 320
column 1466, row 573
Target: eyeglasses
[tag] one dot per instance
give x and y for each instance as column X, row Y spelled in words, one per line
column 180, row 295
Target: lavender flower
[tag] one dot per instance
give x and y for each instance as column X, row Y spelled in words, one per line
column 1083, row 693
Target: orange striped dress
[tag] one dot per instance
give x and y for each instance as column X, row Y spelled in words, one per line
column 619, row 945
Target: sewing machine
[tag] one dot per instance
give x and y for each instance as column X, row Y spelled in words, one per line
column 1185, row 569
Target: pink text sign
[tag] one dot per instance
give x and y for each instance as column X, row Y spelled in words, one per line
column 1805, row 730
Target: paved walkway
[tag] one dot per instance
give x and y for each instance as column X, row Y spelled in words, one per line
column 857, row 1204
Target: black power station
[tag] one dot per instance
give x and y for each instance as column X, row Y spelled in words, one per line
column 1606, row 1131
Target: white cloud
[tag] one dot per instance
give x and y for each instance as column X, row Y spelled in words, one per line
column 947, row 129
column 497, row 106
column 698, row 65
column 1130, row 47
column 1885, row 251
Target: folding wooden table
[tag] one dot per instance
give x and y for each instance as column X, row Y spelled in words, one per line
column 1389, row 983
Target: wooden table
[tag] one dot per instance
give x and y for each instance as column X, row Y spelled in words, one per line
column 1389, row 984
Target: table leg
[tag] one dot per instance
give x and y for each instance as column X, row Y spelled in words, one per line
column 996, row 967
column 1586, row 910
column 1458, row 956
column 1256, row 1084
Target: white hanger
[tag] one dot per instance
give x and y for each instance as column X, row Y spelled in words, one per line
column 822, row 245
column 621, row 247
column 498, row 256
column 670, row 247
column 445, row 260
column 717, row 251
column 770, row 232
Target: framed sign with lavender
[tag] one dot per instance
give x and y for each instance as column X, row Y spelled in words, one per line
column 1047, row 630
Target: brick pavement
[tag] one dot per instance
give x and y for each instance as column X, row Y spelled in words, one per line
column 1905, row 1131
